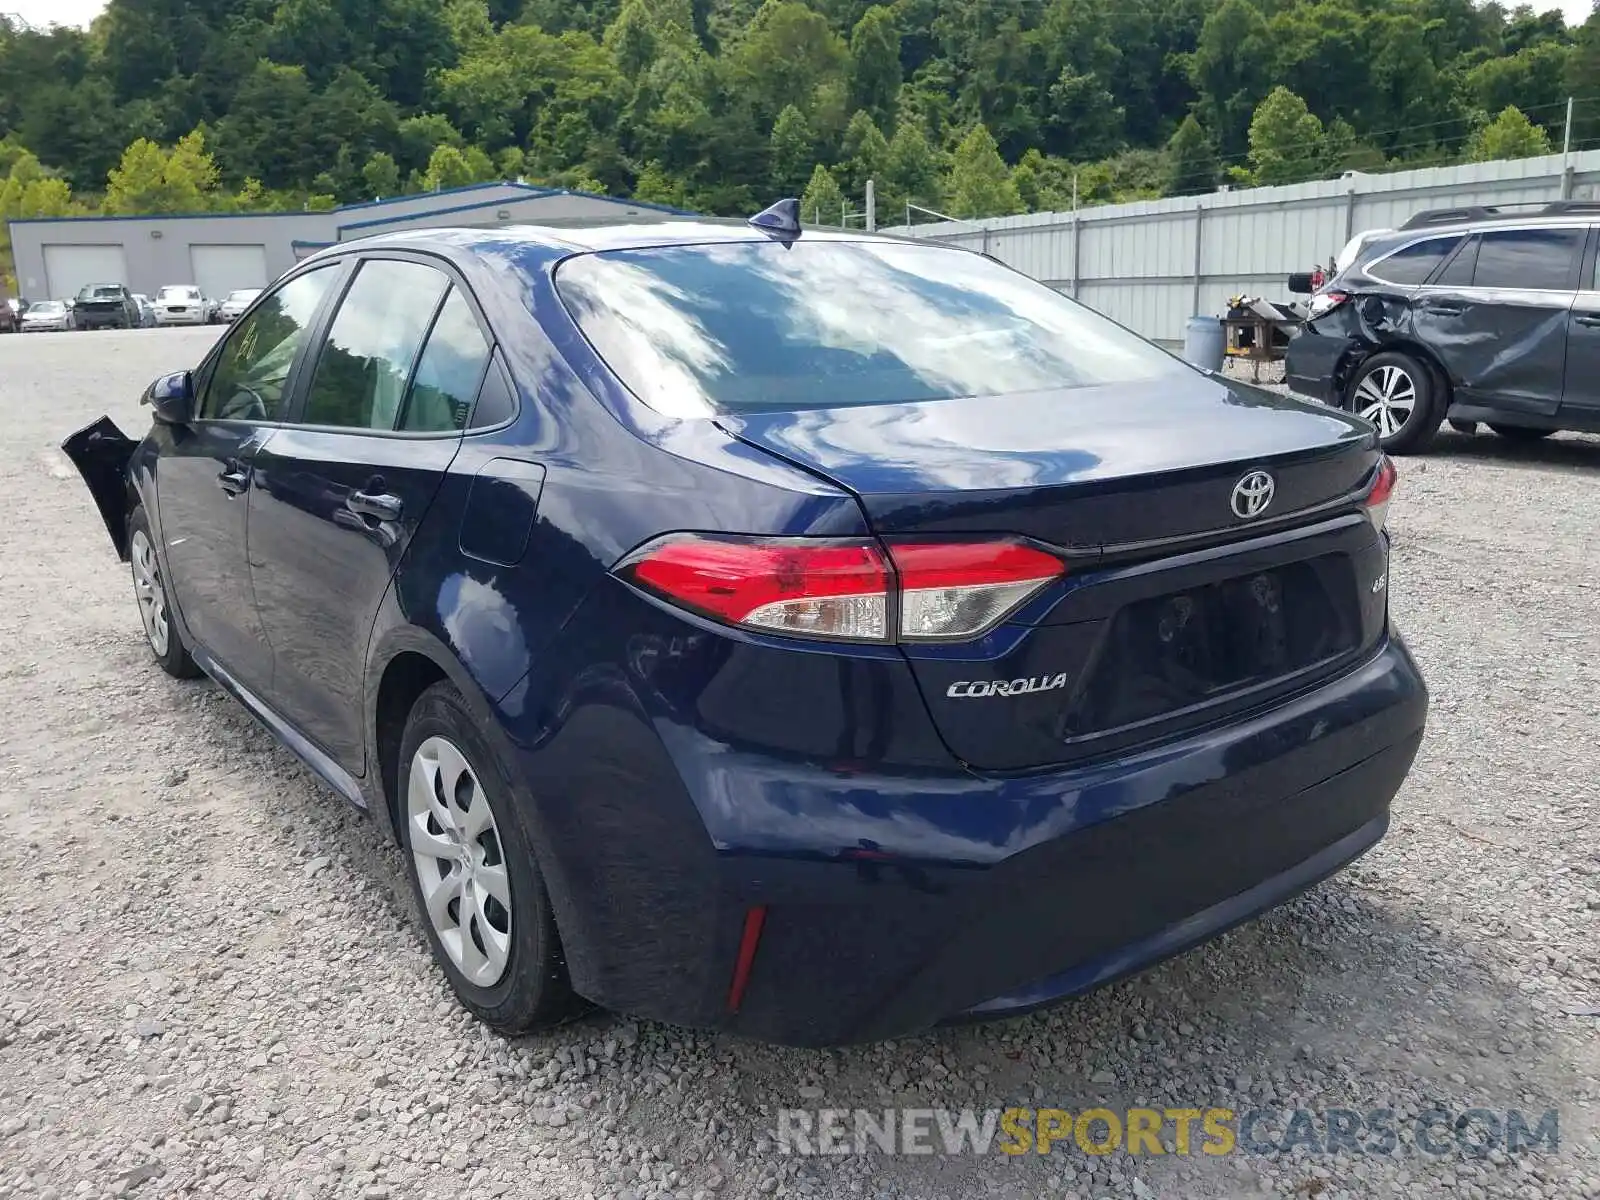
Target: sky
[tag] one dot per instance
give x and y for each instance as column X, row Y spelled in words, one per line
column 81, row 12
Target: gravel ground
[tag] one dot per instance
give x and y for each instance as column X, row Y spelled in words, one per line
column 212, row 982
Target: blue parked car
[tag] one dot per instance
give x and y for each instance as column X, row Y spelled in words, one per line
column 811, row 635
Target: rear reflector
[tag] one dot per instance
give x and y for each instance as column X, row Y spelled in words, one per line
column 845, row 589
column 754, row 918
column 1377, row 501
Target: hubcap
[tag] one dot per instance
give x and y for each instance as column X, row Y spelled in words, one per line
column 1386, row 398
column 459, row 863
column 152, row 596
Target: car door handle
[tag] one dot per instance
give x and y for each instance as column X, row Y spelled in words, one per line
column 1439, row 309
column 382, row 505
column 1590, row 319
column 235, row 479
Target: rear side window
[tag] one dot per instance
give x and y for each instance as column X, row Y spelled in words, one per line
column 372, row 345
column 1413, row 264
column 1458, row 271
column 743, row 326
column 1538, row 259
column 449, row 371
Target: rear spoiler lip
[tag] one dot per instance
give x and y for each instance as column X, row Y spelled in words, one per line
column 101, row 452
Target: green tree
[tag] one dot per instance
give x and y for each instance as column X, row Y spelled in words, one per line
column 1509, row 135
column 447, row 168
column 979, row 185
column 793, row 151
column 863, row 153
column 875, row 73
column 152, row 180
column 1285, row 139
column 1192, row 166
column 381, row 175
column 910, row 171
column 655, row 186
column 823, row 202
column 1231, row 69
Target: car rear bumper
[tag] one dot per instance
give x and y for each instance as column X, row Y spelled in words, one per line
column 1047, row 884
column 1313, row 361
column 91, row 320
column 195, row 318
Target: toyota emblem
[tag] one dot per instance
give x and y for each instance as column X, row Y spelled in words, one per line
column 1252, row 494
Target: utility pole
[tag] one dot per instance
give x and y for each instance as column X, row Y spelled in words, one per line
column 1566, row 154
column 872, row 208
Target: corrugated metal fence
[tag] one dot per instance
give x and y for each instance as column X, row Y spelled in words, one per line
column 1153, row 264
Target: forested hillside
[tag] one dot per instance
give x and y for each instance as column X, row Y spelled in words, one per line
column 971, row 106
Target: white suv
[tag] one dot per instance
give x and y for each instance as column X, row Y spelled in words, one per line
column 182, row 304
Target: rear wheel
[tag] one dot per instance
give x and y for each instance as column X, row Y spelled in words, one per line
column 1398, row 395
column 1521, row 433
column 481, row 896
column 155, row 611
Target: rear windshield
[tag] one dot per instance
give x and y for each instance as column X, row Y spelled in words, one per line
column 101, row 291
column 177, row 293
column 693, row 330
column 46, row 308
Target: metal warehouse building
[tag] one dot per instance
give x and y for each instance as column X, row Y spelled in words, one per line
column 221, row 252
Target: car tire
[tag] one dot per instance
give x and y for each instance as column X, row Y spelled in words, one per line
column 155, row 607
column 480, row 895
column 1521, row 433
column 1467, row 427
column 1400, row 396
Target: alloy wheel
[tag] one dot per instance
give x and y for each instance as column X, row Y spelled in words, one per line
column 459, row 862
column 1387, row 398
column 151, row 594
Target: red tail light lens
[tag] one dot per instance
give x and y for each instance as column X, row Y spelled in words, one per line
column 831, row 589
column 843, row 589
column 960, row 589
column 1378, row 498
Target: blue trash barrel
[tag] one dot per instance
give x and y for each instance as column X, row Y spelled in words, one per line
column 1203, row 342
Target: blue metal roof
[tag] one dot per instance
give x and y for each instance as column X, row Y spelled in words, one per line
column 529, row 189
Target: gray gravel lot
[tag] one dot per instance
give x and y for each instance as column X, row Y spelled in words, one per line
column 212, row 983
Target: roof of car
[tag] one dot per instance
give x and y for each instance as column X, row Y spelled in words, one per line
column 580, row 235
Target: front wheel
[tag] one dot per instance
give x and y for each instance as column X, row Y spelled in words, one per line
column 482, row 898
column 155, row 609
column 1398, row 395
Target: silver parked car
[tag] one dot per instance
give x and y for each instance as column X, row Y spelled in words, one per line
column 183, row 304
column 233, row 306
column 147, row 311
column 47, row 315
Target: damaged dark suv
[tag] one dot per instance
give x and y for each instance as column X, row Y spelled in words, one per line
column 1468, row 315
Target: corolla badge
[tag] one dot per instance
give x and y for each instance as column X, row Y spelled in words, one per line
column 972, row 689
column 1252, row 494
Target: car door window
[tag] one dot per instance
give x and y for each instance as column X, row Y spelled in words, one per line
column 366, row 362
column 249, row 375
column 1414, row 263
column 1458, row 271
column 1529, row 259
column 449, row 371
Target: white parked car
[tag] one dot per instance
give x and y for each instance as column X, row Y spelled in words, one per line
column 183, row 304
column 47, row 315
column 233, row 306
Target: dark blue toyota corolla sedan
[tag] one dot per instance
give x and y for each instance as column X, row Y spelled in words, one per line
column 811, row 635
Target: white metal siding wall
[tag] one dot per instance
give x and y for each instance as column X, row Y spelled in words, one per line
column 1137, row 262
column 219, row 270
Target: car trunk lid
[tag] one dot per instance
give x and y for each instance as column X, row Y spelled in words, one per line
column 1175, row 608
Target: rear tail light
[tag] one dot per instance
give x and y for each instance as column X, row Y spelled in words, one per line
column 1324, row 303
column 959, row 589
column 844, row 590
column 1377, row 501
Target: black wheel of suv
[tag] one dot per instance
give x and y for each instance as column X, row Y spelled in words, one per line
column 479, row 892
column 1467, row 427
column 1399, row 395
column 1521, row 433
column 155, row 610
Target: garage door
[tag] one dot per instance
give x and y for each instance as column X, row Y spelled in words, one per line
column 68, row 268
column 219, row 270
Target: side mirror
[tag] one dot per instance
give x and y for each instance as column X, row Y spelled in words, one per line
column 1300, row 283
column 172, row 398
